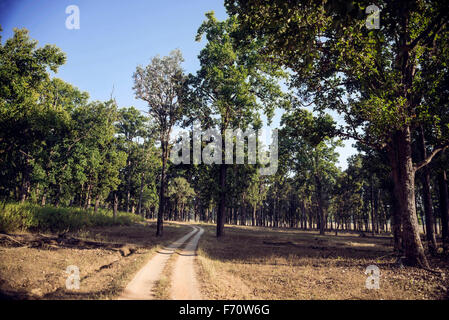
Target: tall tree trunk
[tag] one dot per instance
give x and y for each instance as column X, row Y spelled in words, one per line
column 243, row 215
column 293, row 222
column 44, row 197
column 404, row 183
column 139, row 208
column 373, row 219
column 253, row 216
column 97, row 202
column 444, row 209
column 115, row 205
column 128, row 186
column 161, row 211
column 437, row 230
column 221, row 213
column 427, row 196
column 25, row 188
column 87, row 199
column 58, row 196
column 396, row 222
column 236, row 215
column 320, row 205
column 176, row 210
column 80, row 199
column 195, row 212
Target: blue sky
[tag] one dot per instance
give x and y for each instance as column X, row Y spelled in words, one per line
column 114, row 37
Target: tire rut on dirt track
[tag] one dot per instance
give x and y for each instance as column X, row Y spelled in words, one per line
column 184, row 284
column 141, row 286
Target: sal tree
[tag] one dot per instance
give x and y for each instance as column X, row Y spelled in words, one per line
column 23, row 75
column 159, row 84
column 131, row 126
column 373, row 77
column 233, row 84
column 310, row 152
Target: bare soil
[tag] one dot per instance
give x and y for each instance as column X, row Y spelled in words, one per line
column 184, row 284
column 265, row 263
column 33, row 266
column 142, row 285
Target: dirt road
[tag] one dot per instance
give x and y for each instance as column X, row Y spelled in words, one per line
column 185, row 285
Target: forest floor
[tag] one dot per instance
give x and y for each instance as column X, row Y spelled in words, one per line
column 33, row 266
column 265, row 263
column 248, row 263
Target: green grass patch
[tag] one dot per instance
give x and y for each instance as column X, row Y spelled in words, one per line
column 32, row 217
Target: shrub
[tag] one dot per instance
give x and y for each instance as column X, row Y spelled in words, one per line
column 14, row 217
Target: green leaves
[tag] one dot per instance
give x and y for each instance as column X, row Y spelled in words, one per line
column 233, row 83
column 307, row 154
column 160, row 84
column 50, row 136
column 314, row 130
column 180, row 190
column 375, row 77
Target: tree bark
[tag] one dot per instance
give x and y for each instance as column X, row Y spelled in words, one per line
column 25, row 187
column 161, row 211
column 44, row 198
column 115, row 205
column 396, row 222
column 427, row 196
column 404, row 183
column 97, row 203
column 253, row 216
column 221, row 213
column 444, row 209
column 139, row 208
column 88, row 195
column 320, row 205
column 128, row 185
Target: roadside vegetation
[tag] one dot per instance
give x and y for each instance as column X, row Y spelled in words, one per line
column 32, row 217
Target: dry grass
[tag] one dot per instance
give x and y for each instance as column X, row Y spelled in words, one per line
column 263, row 263
column 39, row 272
column 162, row 286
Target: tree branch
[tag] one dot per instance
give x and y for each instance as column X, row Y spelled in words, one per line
column 429, row 158
column 361, row 140
column 439, row 21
